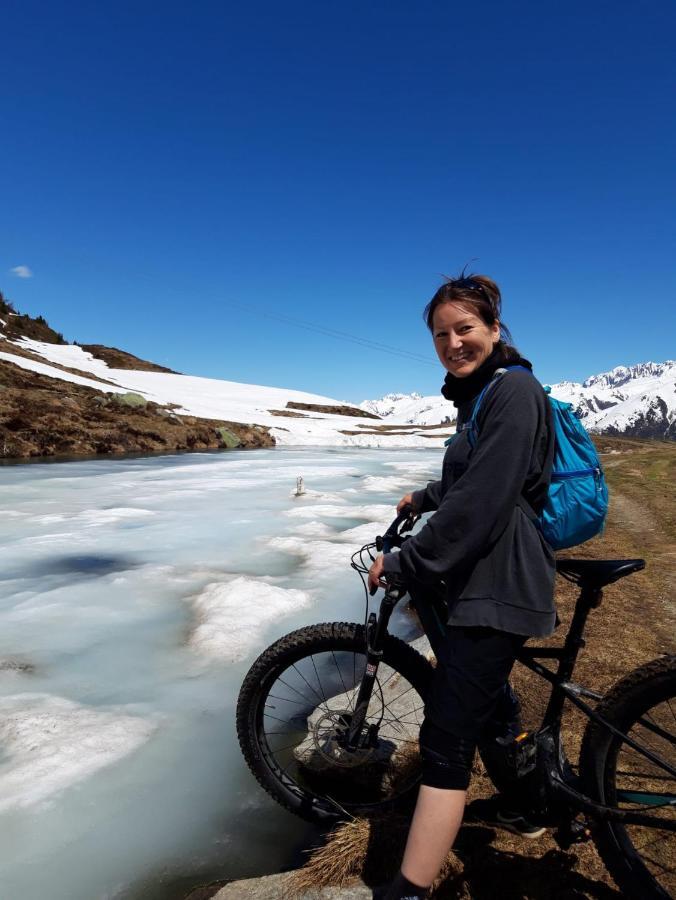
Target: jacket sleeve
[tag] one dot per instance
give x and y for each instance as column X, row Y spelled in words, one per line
column 428, row 498
column 477, row 507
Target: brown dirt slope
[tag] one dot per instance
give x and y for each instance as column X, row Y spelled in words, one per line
column 340, row 410
column 41, row 416
column 120, row 359
column 634, row 624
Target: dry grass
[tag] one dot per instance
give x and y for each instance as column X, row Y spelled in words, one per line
column 634, row 624
column 360, row 849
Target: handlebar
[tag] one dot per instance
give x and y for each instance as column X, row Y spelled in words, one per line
column 393, row 537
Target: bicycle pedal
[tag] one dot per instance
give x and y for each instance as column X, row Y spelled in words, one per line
column 574, row 832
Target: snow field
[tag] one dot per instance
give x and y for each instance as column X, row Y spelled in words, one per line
column 211, row 398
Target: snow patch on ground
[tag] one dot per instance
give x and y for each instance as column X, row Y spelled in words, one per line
column 364, row 534
column 322, row 557
column 232, row 615
column 315, row 529
column 385, row 484
column 373, row 511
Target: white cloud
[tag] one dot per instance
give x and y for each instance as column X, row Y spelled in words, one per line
column 21, row 272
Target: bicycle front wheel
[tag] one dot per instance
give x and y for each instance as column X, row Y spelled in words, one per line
column 642, row 706
column 296, row 703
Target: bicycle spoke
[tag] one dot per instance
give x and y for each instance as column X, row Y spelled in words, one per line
column 284, row 700
column 321, row 699
column 314, row 666
column 296, row 691
column 277, row 719
column 282, row 749
column 340, row 674
column 398, row 697
column 656, row 729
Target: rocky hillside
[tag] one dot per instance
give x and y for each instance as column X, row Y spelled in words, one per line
column 41, row 416
column 15, row 325
column 47, row 416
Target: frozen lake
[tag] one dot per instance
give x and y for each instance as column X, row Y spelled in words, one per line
column 134, row 595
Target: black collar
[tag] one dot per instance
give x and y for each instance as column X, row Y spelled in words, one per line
column 460, row 390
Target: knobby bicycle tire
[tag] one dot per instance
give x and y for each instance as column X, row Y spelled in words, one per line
column 291, row 703
column 642, row 705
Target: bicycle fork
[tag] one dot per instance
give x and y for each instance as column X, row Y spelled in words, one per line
column 376, row 633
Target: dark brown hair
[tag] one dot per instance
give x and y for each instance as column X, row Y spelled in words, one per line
column 481, row 296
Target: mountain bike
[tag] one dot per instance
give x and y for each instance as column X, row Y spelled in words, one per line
column 328, row 719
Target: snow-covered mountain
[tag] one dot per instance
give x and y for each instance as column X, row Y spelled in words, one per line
column 636, row 401
column 414, row 409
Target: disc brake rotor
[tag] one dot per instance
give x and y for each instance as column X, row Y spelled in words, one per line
column 329, row 734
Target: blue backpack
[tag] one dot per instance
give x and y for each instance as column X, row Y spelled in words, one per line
column 577, row 501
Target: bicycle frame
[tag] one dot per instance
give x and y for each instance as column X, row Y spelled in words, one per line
column 558, row 780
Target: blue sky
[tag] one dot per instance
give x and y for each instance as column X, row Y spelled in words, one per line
column 176, row 175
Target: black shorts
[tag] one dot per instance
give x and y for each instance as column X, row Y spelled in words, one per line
column 470, row 697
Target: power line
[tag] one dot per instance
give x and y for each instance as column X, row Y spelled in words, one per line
column 340, row 335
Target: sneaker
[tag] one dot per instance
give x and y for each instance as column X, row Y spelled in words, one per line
column 492, row 812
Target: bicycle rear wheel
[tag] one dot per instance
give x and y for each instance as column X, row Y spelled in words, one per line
column 642, row 706
column 296, row 703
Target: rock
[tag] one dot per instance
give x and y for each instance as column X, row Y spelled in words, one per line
column 130, row 399
column 16, row 665
column 229, row 439
column 273, row 887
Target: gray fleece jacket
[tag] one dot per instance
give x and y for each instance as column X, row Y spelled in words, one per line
column 482, row 540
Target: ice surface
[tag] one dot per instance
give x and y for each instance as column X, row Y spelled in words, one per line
column 90, row 517
column 135, row 593
column 51, row 743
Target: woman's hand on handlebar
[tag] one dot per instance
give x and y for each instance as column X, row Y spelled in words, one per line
column 376, row 574
column 406, row 500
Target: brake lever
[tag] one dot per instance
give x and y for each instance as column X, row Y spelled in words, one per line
column 410, row 522
column 392, row 537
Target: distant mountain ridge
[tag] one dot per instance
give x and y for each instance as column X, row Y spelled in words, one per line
column 633, row 401
column 43, row 375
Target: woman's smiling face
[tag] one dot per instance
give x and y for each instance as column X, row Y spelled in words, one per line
column 462, row 339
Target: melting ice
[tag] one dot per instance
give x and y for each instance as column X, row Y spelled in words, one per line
column 134, row 595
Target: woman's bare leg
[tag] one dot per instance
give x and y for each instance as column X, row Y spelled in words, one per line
column 436, row 822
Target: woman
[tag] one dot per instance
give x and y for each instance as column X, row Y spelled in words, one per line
column 483, row 543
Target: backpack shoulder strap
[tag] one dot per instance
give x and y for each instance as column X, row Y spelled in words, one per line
column 471, row 425
column 473, row 432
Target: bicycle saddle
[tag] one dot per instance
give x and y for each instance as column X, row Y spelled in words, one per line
column 595, row 573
